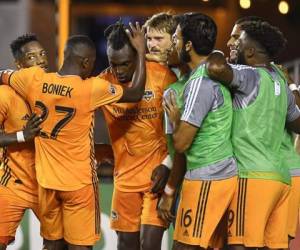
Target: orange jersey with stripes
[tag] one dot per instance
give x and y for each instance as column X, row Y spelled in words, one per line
column 64, row 150
column 17, row 170
column 136, row 130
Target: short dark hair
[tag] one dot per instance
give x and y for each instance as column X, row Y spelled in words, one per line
column 16, row 45
column 80, row 39
column 249, row 19
column 163, row 21
column 201, row 30
column 116, row 36
column 267, row 35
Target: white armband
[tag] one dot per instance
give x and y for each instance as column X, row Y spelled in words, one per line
column 168, row 162
column 169, row 190
column 20, row 136
column 293, row 87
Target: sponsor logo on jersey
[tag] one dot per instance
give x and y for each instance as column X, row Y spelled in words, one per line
column 148, row 95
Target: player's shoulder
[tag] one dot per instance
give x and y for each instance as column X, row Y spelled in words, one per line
column 106, row 74
column 159, row 73
column 6, row 94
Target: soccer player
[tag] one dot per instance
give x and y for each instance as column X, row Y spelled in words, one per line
column 290, row 157
column 65, row 164
column 138, row 143
column 159, row 30
column 201, row 130
column 18, row 185
column 263, row 104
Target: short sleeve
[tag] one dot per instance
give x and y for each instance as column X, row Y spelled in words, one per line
column 198, row 101
column 4, row 105
column 293, row 111
column 245, row 79
column 20, row 80
column 104, row 92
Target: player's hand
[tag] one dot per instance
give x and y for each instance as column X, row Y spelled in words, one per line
column 32, row 128
column 159, row 58
column 136, row 36
column 164, row 208
column 172, row 110
column 159, row 178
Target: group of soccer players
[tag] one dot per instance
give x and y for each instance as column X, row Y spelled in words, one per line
column 198, row 139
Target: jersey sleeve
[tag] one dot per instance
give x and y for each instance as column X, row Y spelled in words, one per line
column 198, row 101
column 104, row 92
column 293, row 111
column 245, row 79
column 19, row 80
column 4, row 105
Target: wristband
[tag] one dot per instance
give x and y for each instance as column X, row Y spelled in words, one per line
column 293, row 87
column 20, row 136
column 168, row 162
column 169, row 190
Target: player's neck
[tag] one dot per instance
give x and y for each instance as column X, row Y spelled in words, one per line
column 196, row 60
column 69, row 70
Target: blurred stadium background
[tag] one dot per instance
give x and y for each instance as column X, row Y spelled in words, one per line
column 53, row 21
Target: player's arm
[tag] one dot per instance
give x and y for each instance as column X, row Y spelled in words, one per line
column 293, row 113
column 19, row 80
column 174, row 182
column 218, row 69
column 136, row 92
column 28, row 133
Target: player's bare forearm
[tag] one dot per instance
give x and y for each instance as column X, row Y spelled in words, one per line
column 218, row 69
column 294, row 126
column 136, row 92
column 178, row 170
column 183, row 136
column 8, row 139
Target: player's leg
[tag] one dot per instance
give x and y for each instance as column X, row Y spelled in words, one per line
column 50, row 214
column 151, row 237
column 201, row 209
column 127, row 241
column 12, row 209
column 276, row 237
column 126, row 218
column 152, row 227
column 294, row 205
column 81, row 217
column 246, row 226
column 181, row 246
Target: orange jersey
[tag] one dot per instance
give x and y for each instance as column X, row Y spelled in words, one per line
column 17, row 170
column 136, row 130
column 64, row 150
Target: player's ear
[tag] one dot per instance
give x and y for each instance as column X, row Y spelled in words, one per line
column 18, row 64
column 188, row 46
column 85, row 62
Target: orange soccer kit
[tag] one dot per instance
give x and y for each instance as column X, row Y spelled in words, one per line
column 18, row 185
column 139, row 145
column 65, row 163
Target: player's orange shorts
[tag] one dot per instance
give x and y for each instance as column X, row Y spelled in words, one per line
column 294, row 204
column 202, row 206
column 130, row 210
column 12, row 209
column 258, row 214
column 70, row 215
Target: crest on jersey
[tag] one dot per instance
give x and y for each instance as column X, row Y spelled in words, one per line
column 148, row 95
column 114, row 215
column 112, row 89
